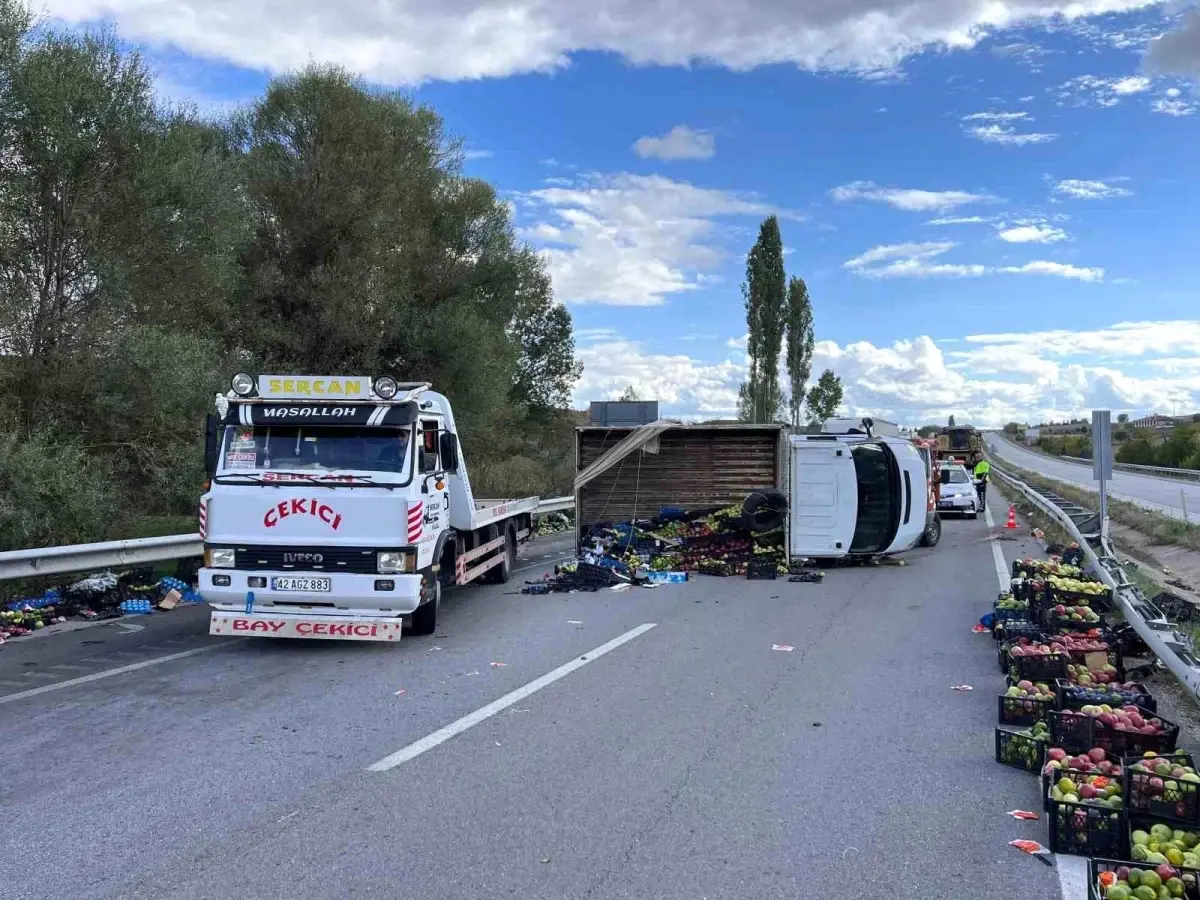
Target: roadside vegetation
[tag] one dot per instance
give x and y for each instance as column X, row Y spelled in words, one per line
column 147, row 253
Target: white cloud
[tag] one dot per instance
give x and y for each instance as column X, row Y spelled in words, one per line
column 1170, row 105
column 407, row 41
column 993, row 379
column 959, row 220
column 1093, row 90
column 908, row 199
column 1079, row 189
column 631, row 240
column 681, row 142
column 999, row 128
column 1032, row 234
column 1178, row 52
column 470, row 153
column 920, row 261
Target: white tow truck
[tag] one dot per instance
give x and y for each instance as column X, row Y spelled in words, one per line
column 339, row 507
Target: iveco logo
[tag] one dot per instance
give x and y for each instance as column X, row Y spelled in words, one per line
column 303, row 557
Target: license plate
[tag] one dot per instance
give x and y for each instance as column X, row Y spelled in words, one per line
column 302, row 585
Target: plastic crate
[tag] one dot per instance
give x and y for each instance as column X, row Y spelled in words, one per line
column 1141, row 697
column 1044, row 667
column 1162, row 797
column 1055, row 596
column 1019, row 750
column 1019, row 711
column 762, row 568
column 1010, row 615
column 1082, row 829
column 1096, row 867
column 1077, row 733
column 1055, row 774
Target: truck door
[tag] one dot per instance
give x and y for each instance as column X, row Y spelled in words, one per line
column 824, row 504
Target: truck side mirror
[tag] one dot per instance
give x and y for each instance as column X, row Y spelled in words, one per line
column 211, row 426
column 449, row 446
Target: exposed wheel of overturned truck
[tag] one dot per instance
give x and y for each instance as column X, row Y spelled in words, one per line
column 933, row 532
column 502, row 573
column 424, row 617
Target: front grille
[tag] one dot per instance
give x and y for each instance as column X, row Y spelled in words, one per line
column 358, row 560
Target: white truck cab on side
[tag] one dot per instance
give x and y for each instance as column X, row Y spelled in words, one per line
column 855, row 491
column 340, row 507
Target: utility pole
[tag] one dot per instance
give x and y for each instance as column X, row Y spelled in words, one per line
column 1102, row 461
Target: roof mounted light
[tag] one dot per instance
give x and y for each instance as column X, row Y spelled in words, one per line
column 386, row 387
column 242, row 384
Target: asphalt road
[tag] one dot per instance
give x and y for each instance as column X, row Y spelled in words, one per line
column 691, row 761
column 1164, row 495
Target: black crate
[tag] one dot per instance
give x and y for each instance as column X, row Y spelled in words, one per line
column 762, row 569
column 1096, row 867
column 1019, row 750
column 1082, row 829
column 1055, row 774
column 1167, row 798
column 1043, row 667
column 1019, row 711
column 1141, row 697
column 1010, row 615
column 1055, row 596
column 1077, row 733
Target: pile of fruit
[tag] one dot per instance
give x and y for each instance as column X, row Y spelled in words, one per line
column 1091, row 790
column 1163, row 844
column 1081, row 675
column 1025, row 647
column 1027, row 690
column 1076, row 585
column 1131, row 883
column 1129, row 693
column 1009, row 602
column 1023, row 749
column 1091, row 641
column 1126, row 718
column 1054, row 567
column 18, row 623
column 1165, row 785
column 1081, row 615
column 1095, row 760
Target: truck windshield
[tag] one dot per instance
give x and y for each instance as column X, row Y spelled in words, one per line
column 879, row 499
column 251, row 449
column 960, row 439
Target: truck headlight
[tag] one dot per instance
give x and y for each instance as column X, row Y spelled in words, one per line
column 393, row 562
column 220, row 558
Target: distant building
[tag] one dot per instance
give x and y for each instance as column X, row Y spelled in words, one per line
column 1156, row 421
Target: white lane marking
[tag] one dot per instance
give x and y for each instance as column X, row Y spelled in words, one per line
column 513, row 697
column 997, row 552
column 1072, row 870
column 96, row 676
column 130, row 628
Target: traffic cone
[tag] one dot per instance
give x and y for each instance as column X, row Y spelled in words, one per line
column 1012, row 516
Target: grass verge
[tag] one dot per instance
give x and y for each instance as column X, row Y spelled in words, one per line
column 1156, row 527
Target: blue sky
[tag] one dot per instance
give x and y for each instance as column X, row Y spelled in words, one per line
column 994, row 210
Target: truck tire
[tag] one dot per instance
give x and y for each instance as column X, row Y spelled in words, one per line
column 503, row 572
column 933, row 532
column 424, row 617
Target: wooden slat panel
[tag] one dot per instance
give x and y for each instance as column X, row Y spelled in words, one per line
column 694, row 467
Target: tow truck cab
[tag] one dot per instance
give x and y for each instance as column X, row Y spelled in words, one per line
column 858, row 488
column 340, row 506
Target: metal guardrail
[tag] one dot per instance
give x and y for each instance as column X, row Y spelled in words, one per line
column 1158, row 471
column 1171, row 646
column 83, row 557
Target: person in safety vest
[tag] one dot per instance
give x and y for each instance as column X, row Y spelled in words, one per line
column 982, row 470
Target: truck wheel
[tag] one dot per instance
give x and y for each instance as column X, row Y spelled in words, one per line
column 424, row 617
column 933, row 532
column 504, row 570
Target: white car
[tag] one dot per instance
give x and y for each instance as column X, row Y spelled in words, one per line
column 958, row 494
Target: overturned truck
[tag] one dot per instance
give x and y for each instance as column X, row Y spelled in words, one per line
column 848, row 491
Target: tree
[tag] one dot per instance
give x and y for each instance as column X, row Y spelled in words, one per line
column 629, row 394
column 1012, row 428
column 926, row 431
column 1123, row 418
column 824, row 398
column 800, row 341
column 764, row 293
column 951, row 422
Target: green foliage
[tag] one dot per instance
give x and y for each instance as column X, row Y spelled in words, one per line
column 1181, row 449
column 43, row 472
column 629, row 394
column 951, row 422
column 926, row 431
column 800, row 340
column 824, row 398
column 764, row 293
column 146, row 254
column 1076, row 445
column 1012, row 428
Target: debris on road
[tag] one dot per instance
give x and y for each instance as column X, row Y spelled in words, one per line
column 1023, row 814
column 784, row 647
column 498, row 665
column 961, row 687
